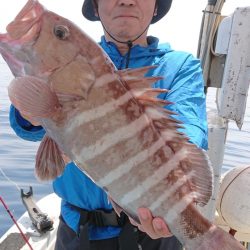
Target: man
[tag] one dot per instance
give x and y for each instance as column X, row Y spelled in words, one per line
column 87, row 218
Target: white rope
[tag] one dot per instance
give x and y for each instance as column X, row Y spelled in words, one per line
column 9, row 180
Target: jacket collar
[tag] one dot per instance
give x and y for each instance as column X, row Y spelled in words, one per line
column 153, row 48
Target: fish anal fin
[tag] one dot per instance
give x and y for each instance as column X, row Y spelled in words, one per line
column 49, row 160
column 33, row 97
column 75, row 79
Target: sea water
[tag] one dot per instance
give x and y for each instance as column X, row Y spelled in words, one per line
column 17, row 156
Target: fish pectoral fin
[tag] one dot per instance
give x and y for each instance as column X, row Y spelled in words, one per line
column 33, row 97
column 49, row 160
column 75, row 79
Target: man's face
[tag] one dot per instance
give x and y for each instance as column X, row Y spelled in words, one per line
column 126, row 19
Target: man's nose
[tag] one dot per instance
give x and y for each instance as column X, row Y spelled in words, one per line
column 127, row 2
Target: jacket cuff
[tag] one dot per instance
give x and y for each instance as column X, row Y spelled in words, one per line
column 24, row 128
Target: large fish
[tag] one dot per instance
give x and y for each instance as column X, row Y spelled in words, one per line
column 109, row 123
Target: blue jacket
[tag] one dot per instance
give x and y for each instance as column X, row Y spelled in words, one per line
column 182, row 75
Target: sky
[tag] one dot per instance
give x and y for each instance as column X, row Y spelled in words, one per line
column 180, row 27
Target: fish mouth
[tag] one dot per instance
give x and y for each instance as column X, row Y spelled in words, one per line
column 24, row 29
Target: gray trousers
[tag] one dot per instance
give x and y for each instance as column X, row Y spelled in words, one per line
column 67, row 239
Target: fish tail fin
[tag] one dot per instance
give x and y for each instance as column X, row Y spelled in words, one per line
column 33, row 97
column 218, row 239
column 49, row 160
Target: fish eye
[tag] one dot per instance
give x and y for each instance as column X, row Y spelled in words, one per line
column 61, row 32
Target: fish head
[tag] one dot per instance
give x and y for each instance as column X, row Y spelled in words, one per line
column 39, row 41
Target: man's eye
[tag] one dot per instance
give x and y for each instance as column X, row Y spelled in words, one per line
column 61, row 32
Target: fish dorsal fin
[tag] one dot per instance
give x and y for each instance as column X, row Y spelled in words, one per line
column 74, row 79
column 49, row 160
column 152, row 105
column 167, row 125
column 137, row 72
column 147, row 92
column 135, row 78
column 198, row 160
column 193, row 161
column 33, row 97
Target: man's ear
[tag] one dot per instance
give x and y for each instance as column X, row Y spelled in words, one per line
column 156, row 9
column 95, row 8
column 96, row 12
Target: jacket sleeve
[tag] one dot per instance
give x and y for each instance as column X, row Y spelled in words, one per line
column 24, row 128
column 189, row 100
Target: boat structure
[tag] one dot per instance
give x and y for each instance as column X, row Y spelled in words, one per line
column 36, row 229
column 224, row 51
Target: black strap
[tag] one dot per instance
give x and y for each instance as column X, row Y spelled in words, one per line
column 101, row 218
column 127, row 238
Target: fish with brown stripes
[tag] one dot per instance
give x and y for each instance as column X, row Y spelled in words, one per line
column 110, row 123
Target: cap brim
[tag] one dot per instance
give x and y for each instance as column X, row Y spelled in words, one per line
column 88, row 11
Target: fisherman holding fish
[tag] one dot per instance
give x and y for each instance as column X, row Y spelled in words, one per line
column 87, row 219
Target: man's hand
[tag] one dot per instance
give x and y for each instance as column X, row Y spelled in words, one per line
column 154, row 227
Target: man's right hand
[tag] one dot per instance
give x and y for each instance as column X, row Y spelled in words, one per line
column 154, row 227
